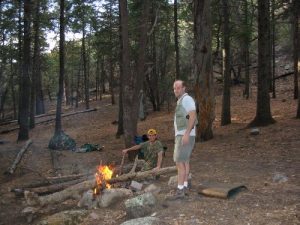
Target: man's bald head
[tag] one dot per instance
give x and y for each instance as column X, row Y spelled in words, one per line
column 179, row 88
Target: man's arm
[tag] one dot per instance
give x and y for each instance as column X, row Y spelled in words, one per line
column 159, row 160
column 133, row 148
column 190, row 126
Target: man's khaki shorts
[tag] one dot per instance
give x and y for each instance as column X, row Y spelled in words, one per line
column 182, row 153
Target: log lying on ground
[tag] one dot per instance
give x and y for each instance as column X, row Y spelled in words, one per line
column 142, row 175
column 60, row 179
column 75, row 190
column 47, row 189
column 51, row 184
column 12, row 168
column 16, row 121
column 51, row 119
column 284, row 75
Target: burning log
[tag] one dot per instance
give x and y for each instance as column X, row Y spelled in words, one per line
column 75, row 190
column 12, row 168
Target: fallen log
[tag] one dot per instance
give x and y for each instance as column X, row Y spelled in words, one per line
column 60, row 179
column 142, row 175
column 47, row 189
column 12, row 168
column 51, row 119
column 284, row 75
column 75, row 190
column 16, row 121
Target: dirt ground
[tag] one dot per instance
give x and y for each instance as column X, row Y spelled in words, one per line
column 232, row 156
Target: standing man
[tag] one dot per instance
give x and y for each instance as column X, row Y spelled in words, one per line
column 184, row 123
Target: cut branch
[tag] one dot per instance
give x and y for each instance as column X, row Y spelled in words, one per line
column 12, row 168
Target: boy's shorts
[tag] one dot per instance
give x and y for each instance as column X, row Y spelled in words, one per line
column 182, row 153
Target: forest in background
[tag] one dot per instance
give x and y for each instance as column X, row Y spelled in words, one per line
column 129, row 46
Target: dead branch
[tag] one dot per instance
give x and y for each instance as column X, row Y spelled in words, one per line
column 12, row 168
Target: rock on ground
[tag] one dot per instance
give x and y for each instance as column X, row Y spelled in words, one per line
column 149, row 220
column 72, row 217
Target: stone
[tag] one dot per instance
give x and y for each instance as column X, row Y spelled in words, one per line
column 94, row 216
column 173, row 181
column 140, row 206
column 111, row 196
column 254, row 131
column 149, row 220
column 280, row 178
column 72, row 217
column 153, row 189
column 87, row 200
column 136, row 185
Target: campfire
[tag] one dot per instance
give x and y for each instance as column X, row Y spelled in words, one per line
column 103, row 174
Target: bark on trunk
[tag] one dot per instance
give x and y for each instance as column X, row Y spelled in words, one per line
column 263, row 111
column 203, row 71
column 226, row 115
column 25, row 78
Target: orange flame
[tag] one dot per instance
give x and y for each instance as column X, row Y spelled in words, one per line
column 103, row 174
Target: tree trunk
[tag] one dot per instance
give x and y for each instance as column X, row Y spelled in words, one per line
column 226, row 116
column 20, row 52
column 78, row 81
column 12, row 86
column 203, row 71
column 176, row 41
column 58, row 125
column 85, row 75
column 103, row 77
column 120, row 130
column 97, row 77
column 111, row 66
column 263, row 111
column 296, row 41
column 132, row 82
column 245, row 45
column 273, row 48
column 35, row 64
column 296, row 53
column 25, row 78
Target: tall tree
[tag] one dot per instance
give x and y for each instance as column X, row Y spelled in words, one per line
column 120, row 130
column 296, row 41
column 226, row 116
column 35, row 64
column 60, row 140
column 263, row 111
column 176, row 40
column 58, row 125
column 296, row 9
column 273, row 47
column 203, row 71
column 132, row 82
column 25, row 76
column 245, row 46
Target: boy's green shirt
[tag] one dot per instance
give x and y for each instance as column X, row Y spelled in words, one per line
column 150, row 152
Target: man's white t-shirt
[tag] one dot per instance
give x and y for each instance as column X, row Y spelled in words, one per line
column 189, row 105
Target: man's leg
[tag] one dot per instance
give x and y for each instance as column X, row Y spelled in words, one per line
column 186, row 174
column 181, row 174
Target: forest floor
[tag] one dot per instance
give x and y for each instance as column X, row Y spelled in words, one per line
column 268, row 164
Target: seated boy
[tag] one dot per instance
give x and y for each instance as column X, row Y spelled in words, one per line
column 152, row 150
